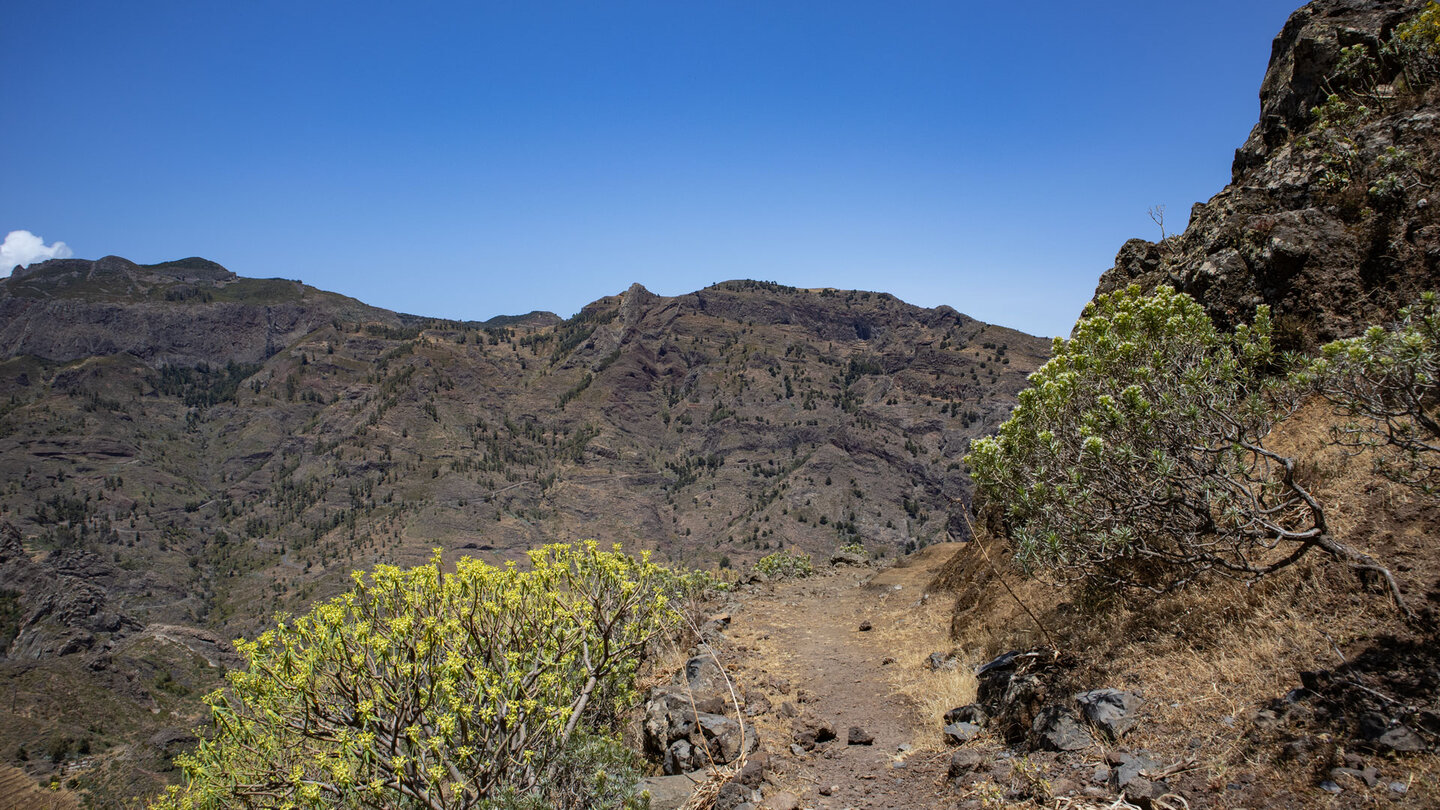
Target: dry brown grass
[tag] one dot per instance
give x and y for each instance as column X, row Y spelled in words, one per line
column 1207, row 657
column 912, row 634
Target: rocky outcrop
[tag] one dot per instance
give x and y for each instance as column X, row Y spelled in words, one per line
column 1328, row 218
column 63, row 599
column 1021, row 696
column 686, row 726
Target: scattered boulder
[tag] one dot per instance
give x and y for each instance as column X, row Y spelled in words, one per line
column 680, row 758
column 1013, row 687
column 1056, row 728
column 726, row 738
column 1126, row 768
column 714, row 628
column 847, row 558
column 1369, row 776
column 733, row 796
column 971, row 713
column 964, row 761
column 1112, row 711
column 754, row 771
column 757, row 704
column 703, row 675
column 668, row 792
column 961, row 733
column 1142, row 791
column 1399, row 739
column 809, row 732
column 866, row 626
column 685, row 722
column 940, row 661
column 859, row 736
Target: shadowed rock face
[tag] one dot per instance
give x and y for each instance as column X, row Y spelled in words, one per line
column 1329, row 222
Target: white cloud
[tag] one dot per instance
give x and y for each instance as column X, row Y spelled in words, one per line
column 25, row 248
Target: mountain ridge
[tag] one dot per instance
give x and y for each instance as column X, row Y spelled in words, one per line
column 220, row 449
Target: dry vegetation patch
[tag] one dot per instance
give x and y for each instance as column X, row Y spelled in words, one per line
column 1217, row 662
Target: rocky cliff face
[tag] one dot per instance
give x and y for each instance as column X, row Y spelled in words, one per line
column 65, row 600
column 1329, row 217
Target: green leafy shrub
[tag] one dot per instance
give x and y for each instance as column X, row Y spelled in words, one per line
column 1330, row 135
column 1388, row 382
column 854, row 547
column 1396, row 173
column 1137, row 454
column 784, row 564
column 593, row 771
column 1356, row 70
column 1416, row 45
column 481, row 687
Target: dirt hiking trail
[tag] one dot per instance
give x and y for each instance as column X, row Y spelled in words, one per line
column 798, row 651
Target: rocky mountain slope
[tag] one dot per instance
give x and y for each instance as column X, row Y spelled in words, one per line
column 186, row 453
column 1330, row 215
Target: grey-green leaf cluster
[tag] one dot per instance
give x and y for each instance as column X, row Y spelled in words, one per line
column 1387, row 382
column 1137, row 454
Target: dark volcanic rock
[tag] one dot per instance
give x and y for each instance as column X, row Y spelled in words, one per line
column 859, row 736
column 1014, row 687
column 1330, row 247
column 972, row 713
column 1110, row 710
column 64, row 600
column 1056, row 728
column 961, row 733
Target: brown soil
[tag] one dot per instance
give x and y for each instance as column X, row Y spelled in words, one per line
column 799, row 642
column 19, row 792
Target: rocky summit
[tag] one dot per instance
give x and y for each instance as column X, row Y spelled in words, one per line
column 1330, row 215
column 188, row 452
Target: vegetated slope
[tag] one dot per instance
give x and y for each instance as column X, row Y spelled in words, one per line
column 1330, row 216
column 187, row 453
column 1307, row 688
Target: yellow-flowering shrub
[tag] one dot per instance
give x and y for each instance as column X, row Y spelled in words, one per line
column 1416, row 44
column 427, row 688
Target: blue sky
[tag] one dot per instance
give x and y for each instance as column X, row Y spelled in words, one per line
column 472, row 159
